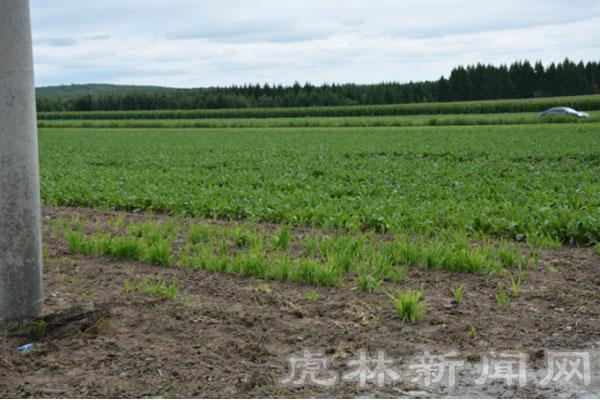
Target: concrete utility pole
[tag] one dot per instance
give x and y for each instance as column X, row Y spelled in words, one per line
column 20, row 239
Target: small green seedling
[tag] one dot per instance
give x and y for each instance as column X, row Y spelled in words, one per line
column 473, row 334
column 502, row 299
column 42, row 325
column 312, row 296
column 515, row 284
column 128, row 287
column 458, row 293
column 409, row 305
column 264, row 288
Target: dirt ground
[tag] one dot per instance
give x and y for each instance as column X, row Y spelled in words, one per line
column 230, row 336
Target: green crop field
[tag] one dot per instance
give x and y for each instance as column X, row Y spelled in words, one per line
column 306, row 122
column 326, row 196
column 590, row 102
column 516, row 182
column 322, row 195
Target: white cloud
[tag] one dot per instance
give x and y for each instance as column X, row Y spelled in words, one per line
column 205, row 43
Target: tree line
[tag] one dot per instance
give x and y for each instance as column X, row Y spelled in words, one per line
column 474, row 82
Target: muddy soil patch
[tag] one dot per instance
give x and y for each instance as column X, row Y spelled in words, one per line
column 229, row 336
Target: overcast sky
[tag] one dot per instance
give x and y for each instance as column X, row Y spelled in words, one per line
column 192, row 43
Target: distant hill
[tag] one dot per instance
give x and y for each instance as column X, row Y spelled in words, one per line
column 97, row 89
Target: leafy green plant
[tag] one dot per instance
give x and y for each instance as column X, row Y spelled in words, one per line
column 408, row 304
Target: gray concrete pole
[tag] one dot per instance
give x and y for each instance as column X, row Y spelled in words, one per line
column 20, row 240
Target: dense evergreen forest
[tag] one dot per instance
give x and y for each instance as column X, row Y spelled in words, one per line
column 474, row 82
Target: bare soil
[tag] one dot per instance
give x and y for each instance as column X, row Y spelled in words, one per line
column 230, row 336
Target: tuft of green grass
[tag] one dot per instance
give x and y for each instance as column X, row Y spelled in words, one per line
column 544, row 241
column 327, row 275
column 312, row 296
column 203, row 259
column 44, row 252
column 311, row 246
column 128, row 287
column 464, row 260
column 41, row 328
column 502, row 299
column 408, row 304
column 158, row 288
column 244, row 239
column 432, row 255
column 252, row 263
column 473, row 334
column 200, row 233
column 507, row 257
column 458, row 293
column 264, row 288
column 397, row 273
column 127, row 248
column 160, row 253
column 282, row 239
column 368, row 283
column 304, row 271
column 313, row 273
column 515, row 284
column 279, row 270
column 79, row 243
column 597, row 249
column 407, row 253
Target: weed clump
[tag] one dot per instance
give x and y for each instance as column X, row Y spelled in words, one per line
column 408, row 304
column 167, row 290
column 160, row 253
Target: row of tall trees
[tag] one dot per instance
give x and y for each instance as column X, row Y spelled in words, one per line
column 474, row 82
